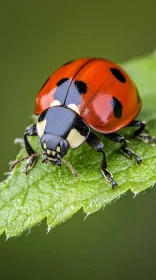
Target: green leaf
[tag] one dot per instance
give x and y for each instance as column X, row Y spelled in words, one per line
column 54, row 193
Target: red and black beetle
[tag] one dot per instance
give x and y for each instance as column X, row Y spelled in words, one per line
column 84, row 94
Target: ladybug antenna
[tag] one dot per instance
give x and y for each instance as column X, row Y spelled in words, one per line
column 12, row 166
column 70, row 167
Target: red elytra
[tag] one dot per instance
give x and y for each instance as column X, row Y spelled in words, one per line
column 110, row 101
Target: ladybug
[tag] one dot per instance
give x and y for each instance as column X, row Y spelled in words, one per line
column 85, row 95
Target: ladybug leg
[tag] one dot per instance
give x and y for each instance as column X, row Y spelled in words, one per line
column 120, row 139
column 30, row 131
column 45, row 160
column 98, row 146
column 145, row 137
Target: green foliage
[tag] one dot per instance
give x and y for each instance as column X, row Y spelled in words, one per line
column 54, row 193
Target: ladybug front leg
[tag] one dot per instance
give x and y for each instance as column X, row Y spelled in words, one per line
column 145, row 137
column 98, row 146
column 120, row 139
column 30, row 131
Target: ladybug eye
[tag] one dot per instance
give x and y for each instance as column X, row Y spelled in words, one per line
column 64, row 146
column 118, row 75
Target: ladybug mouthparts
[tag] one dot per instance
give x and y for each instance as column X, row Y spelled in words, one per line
column 54, row 145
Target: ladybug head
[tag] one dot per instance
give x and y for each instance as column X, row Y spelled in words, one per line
column 55, row 147
column 58, row 129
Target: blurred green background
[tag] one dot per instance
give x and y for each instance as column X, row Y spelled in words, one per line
column 36, row 38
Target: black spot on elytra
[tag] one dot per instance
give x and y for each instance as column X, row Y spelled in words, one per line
column 68, row 63
column 138, row 96
column 62, row 81
column 45, row 83
column 118, row 75
column 81, row 86
column 117, row 107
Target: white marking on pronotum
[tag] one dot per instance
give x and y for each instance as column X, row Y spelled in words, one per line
column 40, row 127
column 74, row 108
column 75, row 139
column 55, row 103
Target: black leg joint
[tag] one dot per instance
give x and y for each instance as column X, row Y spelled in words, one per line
column 95, row 142
column 116, row 138
column 30, row 131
